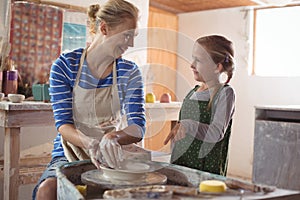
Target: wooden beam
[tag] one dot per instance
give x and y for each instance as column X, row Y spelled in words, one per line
column 23, row 118
column 164, row 7
column 183, row 6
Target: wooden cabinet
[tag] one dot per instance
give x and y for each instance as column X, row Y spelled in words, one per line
column 162, row 49
column 162, row 59
column 276, row 157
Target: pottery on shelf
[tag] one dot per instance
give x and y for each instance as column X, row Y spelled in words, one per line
column 16, row 98
column 2, row 95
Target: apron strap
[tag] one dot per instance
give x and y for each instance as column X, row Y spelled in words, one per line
column 114, row 73
column 213, row 105
column 82, row 58
column 115, row 94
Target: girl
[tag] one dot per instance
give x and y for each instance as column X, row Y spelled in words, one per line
column 200, row 139
column 97, row 97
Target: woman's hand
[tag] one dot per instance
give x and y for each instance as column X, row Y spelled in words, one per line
column 94, row 152
column 177, row 133
column 111, row 150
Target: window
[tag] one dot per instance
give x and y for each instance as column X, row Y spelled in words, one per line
column 277, row 42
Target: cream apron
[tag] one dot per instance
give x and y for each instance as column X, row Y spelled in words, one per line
column 95, row 113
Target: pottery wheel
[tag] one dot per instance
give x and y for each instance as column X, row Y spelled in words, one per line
column 96, row 177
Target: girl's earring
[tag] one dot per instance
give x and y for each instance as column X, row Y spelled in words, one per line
column 223, row 77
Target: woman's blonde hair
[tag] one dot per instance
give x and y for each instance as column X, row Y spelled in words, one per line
column 113, row 12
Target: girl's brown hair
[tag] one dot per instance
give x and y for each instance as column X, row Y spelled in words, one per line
column 221, row 51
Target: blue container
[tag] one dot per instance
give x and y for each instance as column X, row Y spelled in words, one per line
column 41, row 92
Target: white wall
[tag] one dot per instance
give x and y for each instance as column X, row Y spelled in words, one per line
column 250, row 90
column 4, row 19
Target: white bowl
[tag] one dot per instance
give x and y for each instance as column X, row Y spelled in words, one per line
column 129, row 170
column 2, row 95
column 16, row 98
column 121, row 175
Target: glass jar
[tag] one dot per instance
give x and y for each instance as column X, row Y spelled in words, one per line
column 10, row 82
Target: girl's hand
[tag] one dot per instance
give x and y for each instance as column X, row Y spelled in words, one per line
column 177, row 133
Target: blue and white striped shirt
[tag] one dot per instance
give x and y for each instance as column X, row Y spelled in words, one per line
column 62, row 79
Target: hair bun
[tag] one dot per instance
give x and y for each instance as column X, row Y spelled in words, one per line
column 92, row 10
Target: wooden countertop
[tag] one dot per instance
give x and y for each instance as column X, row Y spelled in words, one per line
column 25, row 105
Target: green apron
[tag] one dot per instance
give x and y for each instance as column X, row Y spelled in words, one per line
column 197, row 154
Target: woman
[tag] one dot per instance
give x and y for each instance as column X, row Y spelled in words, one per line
column 97, row 97
column 202, row 135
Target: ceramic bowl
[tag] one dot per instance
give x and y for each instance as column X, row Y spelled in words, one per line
column 128, row 171
column 2, row 95
column 16, row 98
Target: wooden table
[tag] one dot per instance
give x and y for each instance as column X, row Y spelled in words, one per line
column 14, row 116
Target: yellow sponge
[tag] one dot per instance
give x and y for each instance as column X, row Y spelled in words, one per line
column 212, row 186
column 81, row 189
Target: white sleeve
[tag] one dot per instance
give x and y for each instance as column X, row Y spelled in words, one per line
column 215, row 131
